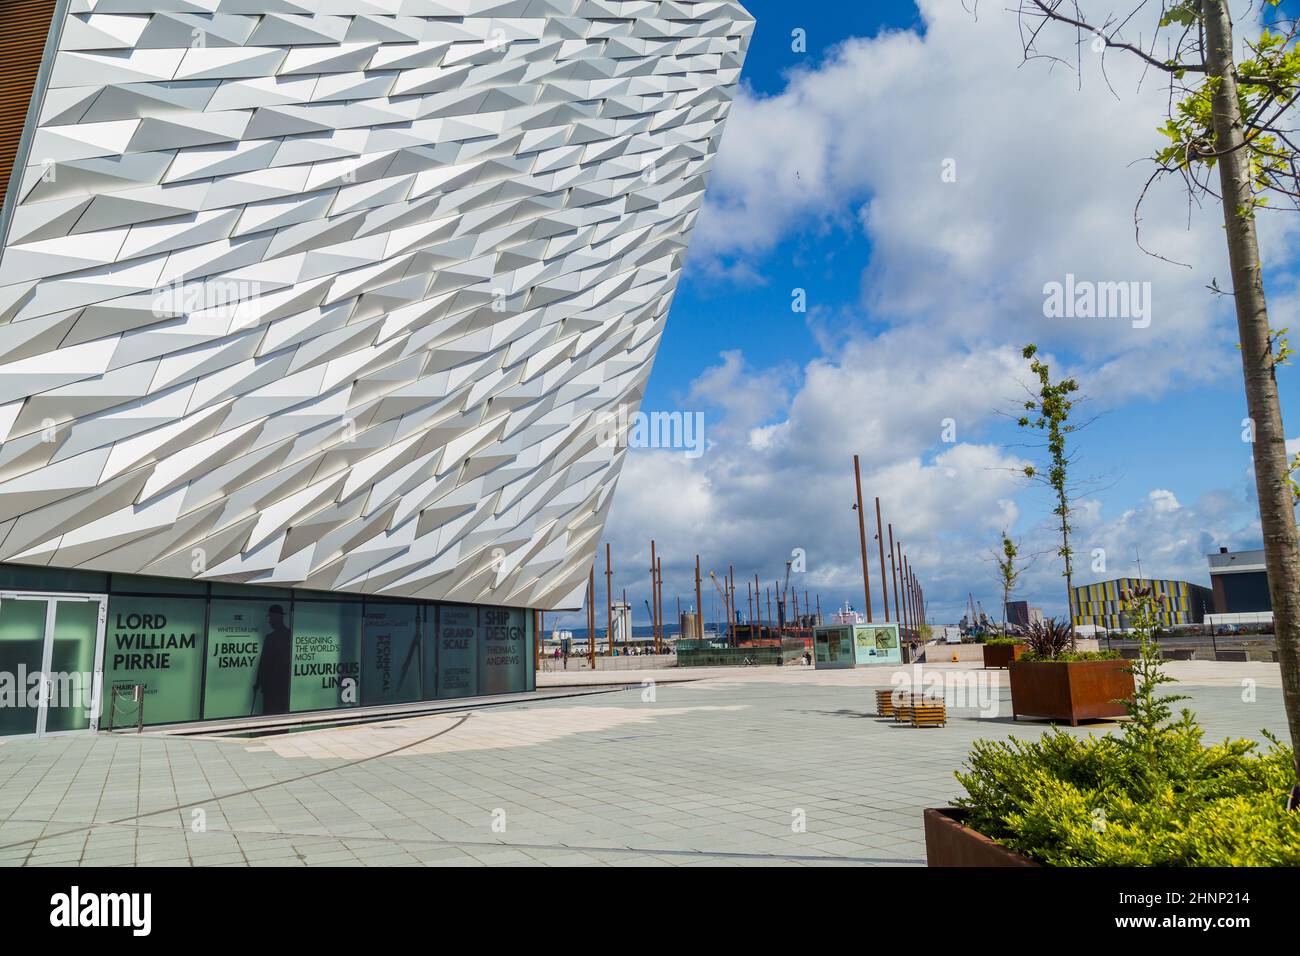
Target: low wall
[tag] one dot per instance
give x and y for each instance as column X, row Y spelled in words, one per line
column 737, row 656
column 640, row 662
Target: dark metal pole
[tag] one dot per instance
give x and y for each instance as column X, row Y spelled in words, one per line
column 862, row 534
column 591, row 617
column 904, row 610
column 920, row 600
column 749, row 604
column 893, row 574
column 609, row 600
column 910, row 617
column 699, row 608
column 659, row 575
column 880, row 539
column 731, row 605
column 654, row 603
column 916, row 604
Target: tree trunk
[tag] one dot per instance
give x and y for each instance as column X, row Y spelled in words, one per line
column 1272, row 469
column 1069, row 576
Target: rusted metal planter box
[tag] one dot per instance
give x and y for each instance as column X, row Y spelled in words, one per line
column 1001, row 655
column 1070, row 691
column 949, row 843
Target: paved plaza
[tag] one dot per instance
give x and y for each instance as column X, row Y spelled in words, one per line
column 746, row 766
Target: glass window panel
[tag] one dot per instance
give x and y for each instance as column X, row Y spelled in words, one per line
column 501, row 655
column 23, row 577
column 139, row 584
column 238, row 634
column 72, row 665
column 156, row 641
column 326, row 655
column 256, row 591
column 458, row 639
column 22, row 645
column 391, row 666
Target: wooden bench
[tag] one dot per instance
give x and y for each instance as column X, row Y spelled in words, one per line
column 884, row 703
column 903, row 707
column 929, row 713
column 915, row 709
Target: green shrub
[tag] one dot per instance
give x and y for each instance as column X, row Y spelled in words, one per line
column 1093, row 801
column 1003, row 640
column 1155, row 795
column 1066, row 656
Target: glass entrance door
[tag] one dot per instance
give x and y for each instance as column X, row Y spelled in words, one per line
column 51, row 648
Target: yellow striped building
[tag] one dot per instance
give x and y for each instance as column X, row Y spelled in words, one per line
column 1101, row 604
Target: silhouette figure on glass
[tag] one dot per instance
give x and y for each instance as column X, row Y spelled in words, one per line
column 273, row 668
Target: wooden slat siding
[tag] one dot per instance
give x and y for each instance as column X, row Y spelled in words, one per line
column 24, row 26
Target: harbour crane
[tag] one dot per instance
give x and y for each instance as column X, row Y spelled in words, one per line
column 780, row 598
column 725, row 603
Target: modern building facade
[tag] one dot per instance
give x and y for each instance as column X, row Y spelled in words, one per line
column 1239, row 581
column 326, row 308
column 1102, row 605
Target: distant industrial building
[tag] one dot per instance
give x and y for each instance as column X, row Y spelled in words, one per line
column 1020, row 614
column 1239, row 581
column 1101, row 603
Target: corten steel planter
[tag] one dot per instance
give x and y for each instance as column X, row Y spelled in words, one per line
column 949, row 843
column 1070, row 691
column 1001, row 655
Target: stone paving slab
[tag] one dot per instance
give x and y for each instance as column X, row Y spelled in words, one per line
column 783, row 767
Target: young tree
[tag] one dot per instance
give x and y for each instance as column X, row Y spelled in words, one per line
column 1237, row 120
column 1050, row 414
column 1009, row 572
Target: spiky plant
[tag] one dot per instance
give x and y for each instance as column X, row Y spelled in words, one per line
column 1049, row 638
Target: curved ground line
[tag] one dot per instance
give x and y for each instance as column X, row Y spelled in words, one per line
column 238, row 793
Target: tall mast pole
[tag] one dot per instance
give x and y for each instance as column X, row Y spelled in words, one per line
column 862, row 534
column 591, row 617
column 906, row 592
column 880, row 539
column 731, row 605
column 659, row 593
column 654, row 602
column 699, row 607
column 893, row 574
column 609, row 600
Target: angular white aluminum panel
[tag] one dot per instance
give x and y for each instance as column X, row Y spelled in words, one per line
column 340, row 294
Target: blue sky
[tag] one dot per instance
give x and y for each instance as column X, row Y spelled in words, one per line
column 712, row 316
column 921, row 292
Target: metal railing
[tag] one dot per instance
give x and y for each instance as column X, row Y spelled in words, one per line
column 132, row 693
